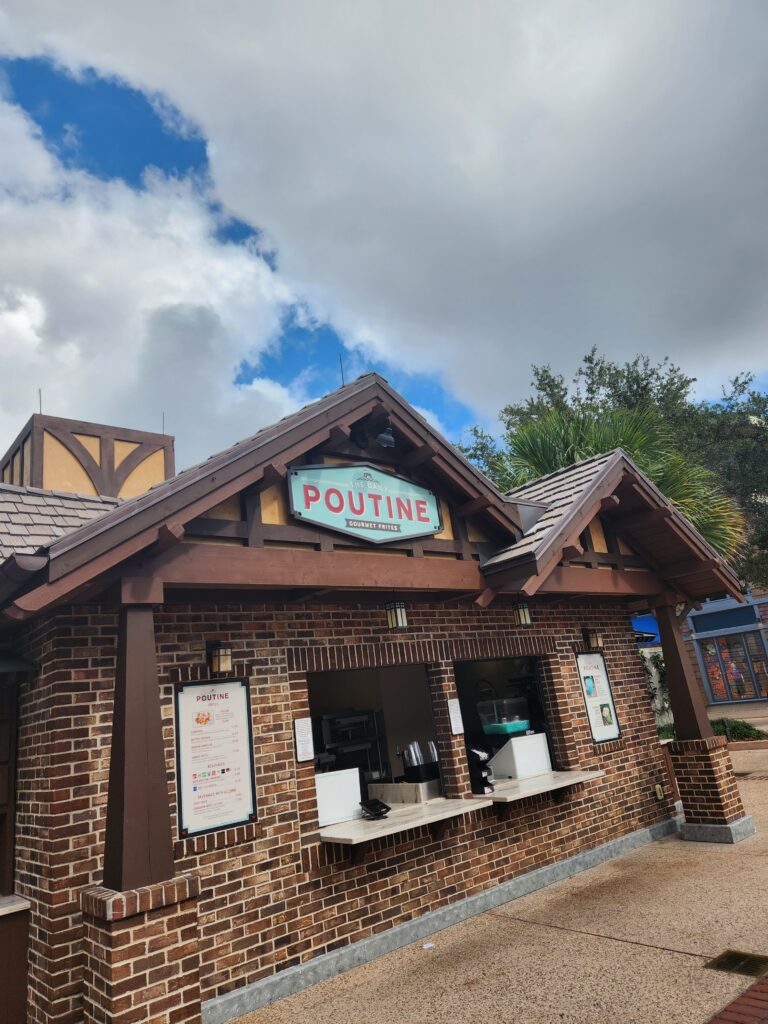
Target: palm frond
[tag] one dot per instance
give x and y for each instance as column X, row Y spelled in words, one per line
column 562, row 437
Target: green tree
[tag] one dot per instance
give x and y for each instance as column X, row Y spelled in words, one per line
column 709, row 458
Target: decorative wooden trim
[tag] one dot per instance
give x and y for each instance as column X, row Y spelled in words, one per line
column 205, row 565
column 107, row 479
column 618, row 582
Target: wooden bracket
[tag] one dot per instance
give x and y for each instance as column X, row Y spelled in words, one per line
column 486, row 597
column 418, row 456
column 339, row 434
column 572, row 551
column 167, row 535
column 469, row 508
column 274, row 472
column 141, row 590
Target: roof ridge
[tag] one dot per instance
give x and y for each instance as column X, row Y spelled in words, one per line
column 563, row 469
column 267, row 426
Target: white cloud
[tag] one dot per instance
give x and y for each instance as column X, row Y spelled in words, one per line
column 122, row 305
column 467, row 188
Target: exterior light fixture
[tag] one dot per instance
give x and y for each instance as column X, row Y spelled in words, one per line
column 386, row 439
column 521, row 614
column 219, row 657
column 397, row 619
column 592, row 639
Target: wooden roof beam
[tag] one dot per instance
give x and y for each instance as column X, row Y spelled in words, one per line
column 690, row 567
column 616, row 582
column 470, row 508
column 418, row 456
column 650, row 517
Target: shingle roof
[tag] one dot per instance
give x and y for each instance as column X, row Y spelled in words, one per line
column 324, row 409
column 559, row 491
column 31, row 518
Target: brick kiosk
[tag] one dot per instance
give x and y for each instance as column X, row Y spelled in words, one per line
column 132, row 917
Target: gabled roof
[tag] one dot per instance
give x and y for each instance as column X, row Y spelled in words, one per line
column 130, row 526
column 560, row 492
column 31, row 518
column 576, row 494
column 68, row 536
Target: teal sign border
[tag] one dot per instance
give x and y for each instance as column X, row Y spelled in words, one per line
column 388, row 538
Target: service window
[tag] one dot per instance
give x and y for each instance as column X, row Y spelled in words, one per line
column 374, row 738
column 505, row 727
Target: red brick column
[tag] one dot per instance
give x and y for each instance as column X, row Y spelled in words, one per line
column 453, row 753
column 708, row 789
column 141, row 954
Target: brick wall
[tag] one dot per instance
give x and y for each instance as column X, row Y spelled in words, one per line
column 272, row 894
column 141, row 954
column 706, row 781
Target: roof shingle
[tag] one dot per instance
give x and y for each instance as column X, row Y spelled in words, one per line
column 31, row 518
column 559, row 491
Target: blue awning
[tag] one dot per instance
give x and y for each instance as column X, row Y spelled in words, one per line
column 647, row 626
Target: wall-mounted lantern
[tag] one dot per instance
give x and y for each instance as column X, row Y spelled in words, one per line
column 219, row 657
column 397, row 619
column 521, row 614
column 593, row 640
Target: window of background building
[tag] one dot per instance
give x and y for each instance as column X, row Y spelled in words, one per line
column 736, row 666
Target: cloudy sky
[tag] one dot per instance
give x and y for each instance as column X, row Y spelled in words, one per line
column 202, row 205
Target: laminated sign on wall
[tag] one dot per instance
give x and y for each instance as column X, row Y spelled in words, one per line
column 214, row 759
column 598, row 697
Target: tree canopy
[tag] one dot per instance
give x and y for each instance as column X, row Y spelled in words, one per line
column 709, row 458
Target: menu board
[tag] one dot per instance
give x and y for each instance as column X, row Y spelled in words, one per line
column 214, row 756
column 598, row 697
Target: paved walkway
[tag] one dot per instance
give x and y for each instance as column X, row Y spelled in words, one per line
column 624, row 943
column 750, row 762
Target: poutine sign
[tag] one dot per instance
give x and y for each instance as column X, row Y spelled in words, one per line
column 364, row 502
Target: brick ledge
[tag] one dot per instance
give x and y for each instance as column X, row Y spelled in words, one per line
column 685, row 746
column 110, row 905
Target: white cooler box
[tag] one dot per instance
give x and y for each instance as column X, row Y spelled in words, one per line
column 521, row 757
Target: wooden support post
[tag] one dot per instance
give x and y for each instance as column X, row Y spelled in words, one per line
column 138, row 849
column 690, row 714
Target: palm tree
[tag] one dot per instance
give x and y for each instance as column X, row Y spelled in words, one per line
column 561, row 437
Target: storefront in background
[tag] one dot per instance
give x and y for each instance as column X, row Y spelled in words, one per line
column 728, row 641
column 324, row 694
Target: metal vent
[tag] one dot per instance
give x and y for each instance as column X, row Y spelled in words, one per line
column 734, row 961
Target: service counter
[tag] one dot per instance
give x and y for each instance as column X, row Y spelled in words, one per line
column 509, row 791
column 435, row 814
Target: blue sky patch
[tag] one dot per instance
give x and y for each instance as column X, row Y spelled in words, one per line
column 100, row 125
column 309, row 356
column 112, row 131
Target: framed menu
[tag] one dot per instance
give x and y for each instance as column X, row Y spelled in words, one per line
column 214, row 756
column 598, row 697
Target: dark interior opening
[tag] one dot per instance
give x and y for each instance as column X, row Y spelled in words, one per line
column 367, row 719
column 513, row 686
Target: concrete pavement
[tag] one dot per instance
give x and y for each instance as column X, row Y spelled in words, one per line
column 624, row 943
